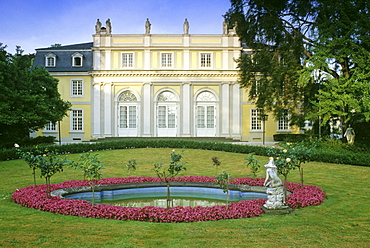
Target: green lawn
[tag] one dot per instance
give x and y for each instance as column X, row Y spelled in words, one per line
column 343, row 220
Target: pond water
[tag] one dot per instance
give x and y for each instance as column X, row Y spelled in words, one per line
column 156, row 196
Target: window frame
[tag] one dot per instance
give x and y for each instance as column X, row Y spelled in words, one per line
column 208, row 60
column 78, row 120
column 50, row 127
column 167, row 63
column 128, row 64
column 47, row 60
column 255, row 120
column 74, row 56
column 73, row 80
column 284, row 122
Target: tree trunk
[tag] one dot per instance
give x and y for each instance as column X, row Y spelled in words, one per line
column 93, row 194
column 227, row 199
column 34, row 176
column 284, row 184
column 168, row 195
column 47, row 179
column 301, row 175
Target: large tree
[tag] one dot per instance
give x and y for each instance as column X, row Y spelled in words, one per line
column 29, row 97
column 310, row 57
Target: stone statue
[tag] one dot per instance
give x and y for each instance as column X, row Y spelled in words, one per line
column 108, row 26
column 147, row 26
column 275, row 191
column 98, row 27
column 350, row 135
column 225, row 28
column 186, row 26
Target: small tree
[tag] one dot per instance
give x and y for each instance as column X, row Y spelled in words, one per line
column 284, row 162
column 254, row 164
column 91, row 166
column 31, row 158
column 174, row 168
column 216, row 163
column 131, row 166
column 50, row 164
column 300, row 154
column 223, row 180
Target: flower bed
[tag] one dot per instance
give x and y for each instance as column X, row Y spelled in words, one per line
column 36, row 198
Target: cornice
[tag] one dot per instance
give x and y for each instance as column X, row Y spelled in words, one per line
column 163, row 74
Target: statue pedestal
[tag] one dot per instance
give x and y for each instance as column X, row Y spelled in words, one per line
column 286, row 210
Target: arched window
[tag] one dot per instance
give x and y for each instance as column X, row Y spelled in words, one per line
column 127, row 96
column 206, row 96
column 166, row 96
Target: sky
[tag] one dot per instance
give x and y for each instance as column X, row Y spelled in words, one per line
column 34, row 24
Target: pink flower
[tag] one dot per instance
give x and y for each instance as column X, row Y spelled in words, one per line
column 32, row 197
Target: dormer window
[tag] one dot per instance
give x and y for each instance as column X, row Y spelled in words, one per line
column 77, row 59
column 50, row 60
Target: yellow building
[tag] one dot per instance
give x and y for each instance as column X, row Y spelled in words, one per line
column 154, row 85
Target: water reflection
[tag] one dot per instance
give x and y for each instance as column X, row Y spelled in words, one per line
column 156, row 196
column 163, row 203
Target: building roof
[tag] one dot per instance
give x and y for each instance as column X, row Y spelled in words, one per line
column 79, row 46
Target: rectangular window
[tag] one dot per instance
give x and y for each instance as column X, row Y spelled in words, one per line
column 50, row 61
column 166, row 60
column 210, row 116
column 201, row 119
column 255, row 88
column 127, row 60
column 283, row 123
column 256, row 123
column 77, row 88
column 50, row 127
column 77, row 120
column 77, row 61
column 205, row 60
column 162, row 116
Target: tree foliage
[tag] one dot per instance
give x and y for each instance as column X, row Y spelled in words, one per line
column 29, row 97
column 307, row 56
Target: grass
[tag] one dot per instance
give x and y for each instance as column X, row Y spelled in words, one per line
column 341, row 221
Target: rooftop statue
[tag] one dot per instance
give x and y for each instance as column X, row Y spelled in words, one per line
column 186, row 26
column 108, row 26
column 98, row 27
column 148, row 25
column 225, row 28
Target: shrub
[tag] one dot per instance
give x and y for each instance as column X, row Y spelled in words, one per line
column 290, row 137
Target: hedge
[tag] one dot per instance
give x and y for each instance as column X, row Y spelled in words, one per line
column 318, row 155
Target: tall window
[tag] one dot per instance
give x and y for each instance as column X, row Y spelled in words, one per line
column 166, row 60
column 283, row 123
column 256, row 123
column 127, row 60
column 77, row 88
column 50, row 60
column 205, row 60
column 50, row 127
column 77, row 120
column 255, row 88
